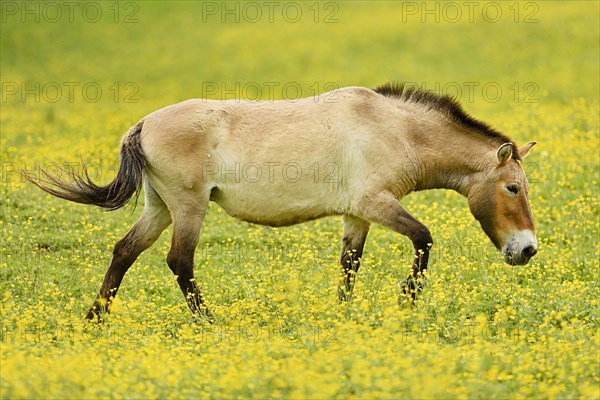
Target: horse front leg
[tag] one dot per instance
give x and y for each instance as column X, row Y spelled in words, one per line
column 385, row 210
column 414, row 283
column 353, row 243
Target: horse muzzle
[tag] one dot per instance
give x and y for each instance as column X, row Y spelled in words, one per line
column 520, row 247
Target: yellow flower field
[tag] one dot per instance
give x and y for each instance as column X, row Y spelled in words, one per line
column 481, row 329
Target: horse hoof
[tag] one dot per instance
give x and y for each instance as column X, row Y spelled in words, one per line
column 410, row 290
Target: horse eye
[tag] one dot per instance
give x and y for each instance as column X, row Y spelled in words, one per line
column 514, row 189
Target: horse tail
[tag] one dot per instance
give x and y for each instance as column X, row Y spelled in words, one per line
column 112, row 196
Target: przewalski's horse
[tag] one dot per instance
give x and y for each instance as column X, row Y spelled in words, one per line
column 354, row 152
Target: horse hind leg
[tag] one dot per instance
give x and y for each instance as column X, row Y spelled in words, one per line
column 187, row 221
column 353, row 243
column 154, row 219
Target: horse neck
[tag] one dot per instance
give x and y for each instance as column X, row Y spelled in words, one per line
column 450, row 157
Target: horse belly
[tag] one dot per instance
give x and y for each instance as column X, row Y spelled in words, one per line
column 274, row 205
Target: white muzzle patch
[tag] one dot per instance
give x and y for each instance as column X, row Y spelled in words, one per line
column 519, row 247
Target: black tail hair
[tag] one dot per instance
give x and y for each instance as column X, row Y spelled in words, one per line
column 112, row 196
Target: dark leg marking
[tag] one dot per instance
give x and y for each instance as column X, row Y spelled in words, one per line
column 353, row 242
column 186, row 232
column 414, row 283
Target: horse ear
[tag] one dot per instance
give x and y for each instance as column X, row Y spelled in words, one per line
column 525, row 149
column 504, row 153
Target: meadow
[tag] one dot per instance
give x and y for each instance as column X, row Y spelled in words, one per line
column 76, row 75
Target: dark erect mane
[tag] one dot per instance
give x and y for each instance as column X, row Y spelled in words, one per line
column 445, row 105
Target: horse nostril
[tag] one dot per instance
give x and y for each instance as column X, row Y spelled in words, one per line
column 529, row 251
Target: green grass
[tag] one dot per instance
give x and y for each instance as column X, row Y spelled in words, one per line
column 482, row 328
